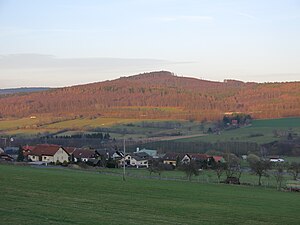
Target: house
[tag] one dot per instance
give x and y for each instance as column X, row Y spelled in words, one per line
column 12, row 151
column 5, row 157
column 27, row 150
column 172, row 158
column 218, row 159
column 150, row 152
column 134, row 161
column 80, row 154
column 117, row 155
column 201, row 160
column 198, row 157
column 107, row 154
column 49, row 153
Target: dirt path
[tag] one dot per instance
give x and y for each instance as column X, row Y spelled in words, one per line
column 171, row 138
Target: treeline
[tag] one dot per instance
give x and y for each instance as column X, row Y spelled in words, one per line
column 159, row 95
column 282, row 147
column 100, row 136
column 238, row 148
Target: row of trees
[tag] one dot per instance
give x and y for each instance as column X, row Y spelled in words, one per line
column 232, row 169
column 100, row 136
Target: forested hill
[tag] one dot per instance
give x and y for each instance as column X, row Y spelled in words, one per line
column 21, row 90
column 159, row 95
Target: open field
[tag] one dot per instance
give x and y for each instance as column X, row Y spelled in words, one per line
column 205, row 176
column 62, row 196
column 261, row 131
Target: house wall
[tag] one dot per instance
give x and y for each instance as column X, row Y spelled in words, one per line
column 47, row 158
column 172, row 162
column 186, row 159
column 143, row 163
column 33, row 158
column 61, row 156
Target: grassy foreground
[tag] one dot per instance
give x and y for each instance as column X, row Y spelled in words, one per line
column 59, row 196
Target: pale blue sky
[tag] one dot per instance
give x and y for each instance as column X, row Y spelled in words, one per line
column 60, row 42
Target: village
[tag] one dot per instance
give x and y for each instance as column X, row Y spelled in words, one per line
column 228, row 168
column 51, row 154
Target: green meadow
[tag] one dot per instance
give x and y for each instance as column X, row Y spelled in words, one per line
column 63, row 196
column 261, row 131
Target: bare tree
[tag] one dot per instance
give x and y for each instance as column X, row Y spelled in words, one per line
column 156, row 167
column 260, row 168
column 190, row 169
column 294, row 169
column 219, row 169
column 278, row 174
column 232, row 166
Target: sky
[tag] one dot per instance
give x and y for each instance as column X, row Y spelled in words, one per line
column 53, row 43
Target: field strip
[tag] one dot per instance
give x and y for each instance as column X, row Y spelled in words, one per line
column 171, row 138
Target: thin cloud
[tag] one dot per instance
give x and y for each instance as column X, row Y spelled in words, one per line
column 249, row 16
column 185, row 18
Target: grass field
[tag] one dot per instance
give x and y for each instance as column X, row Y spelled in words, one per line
column 205, row 176
column 261, row 131
column 62, row 196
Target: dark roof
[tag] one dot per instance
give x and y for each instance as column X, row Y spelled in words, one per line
column 143, row 155
column 173, row 156
column 83, row 153
column 6, row 157
column 11, row 150
column 197, row 156
column 105, row 151
column 69, row 150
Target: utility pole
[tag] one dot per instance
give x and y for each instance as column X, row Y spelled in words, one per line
column 124, row 162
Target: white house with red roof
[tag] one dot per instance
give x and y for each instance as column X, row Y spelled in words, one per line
column 48, row 153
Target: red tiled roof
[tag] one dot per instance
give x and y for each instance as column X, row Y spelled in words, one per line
column 45, row 149
column 27, row 150
column 218, row 158
column 28, row 147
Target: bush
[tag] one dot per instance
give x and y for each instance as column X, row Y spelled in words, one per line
column 65, row 163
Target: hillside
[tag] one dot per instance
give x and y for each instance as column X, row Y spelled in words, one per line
column 21, row 90
column 159, row 95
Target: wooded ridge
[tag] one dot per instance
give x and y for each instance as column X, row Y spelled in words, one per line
column 159, row 95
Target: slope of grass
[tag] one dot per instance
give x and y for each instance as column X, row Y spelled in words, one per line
column 284, row 123
column 261, row 131
column 58, row 196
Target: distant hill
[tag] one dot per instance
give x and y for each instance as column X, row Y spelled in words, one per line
column 159, row 95
column 21, row 90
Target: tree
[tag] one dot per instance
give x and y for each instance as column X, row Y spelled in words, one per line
column 20, row 155
column 232, row 166
column 278, row 174
column 294, row 169
column 156, row 167
column 219, row 169
column 260, row 168
column 252, row 158
column 189, row 169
